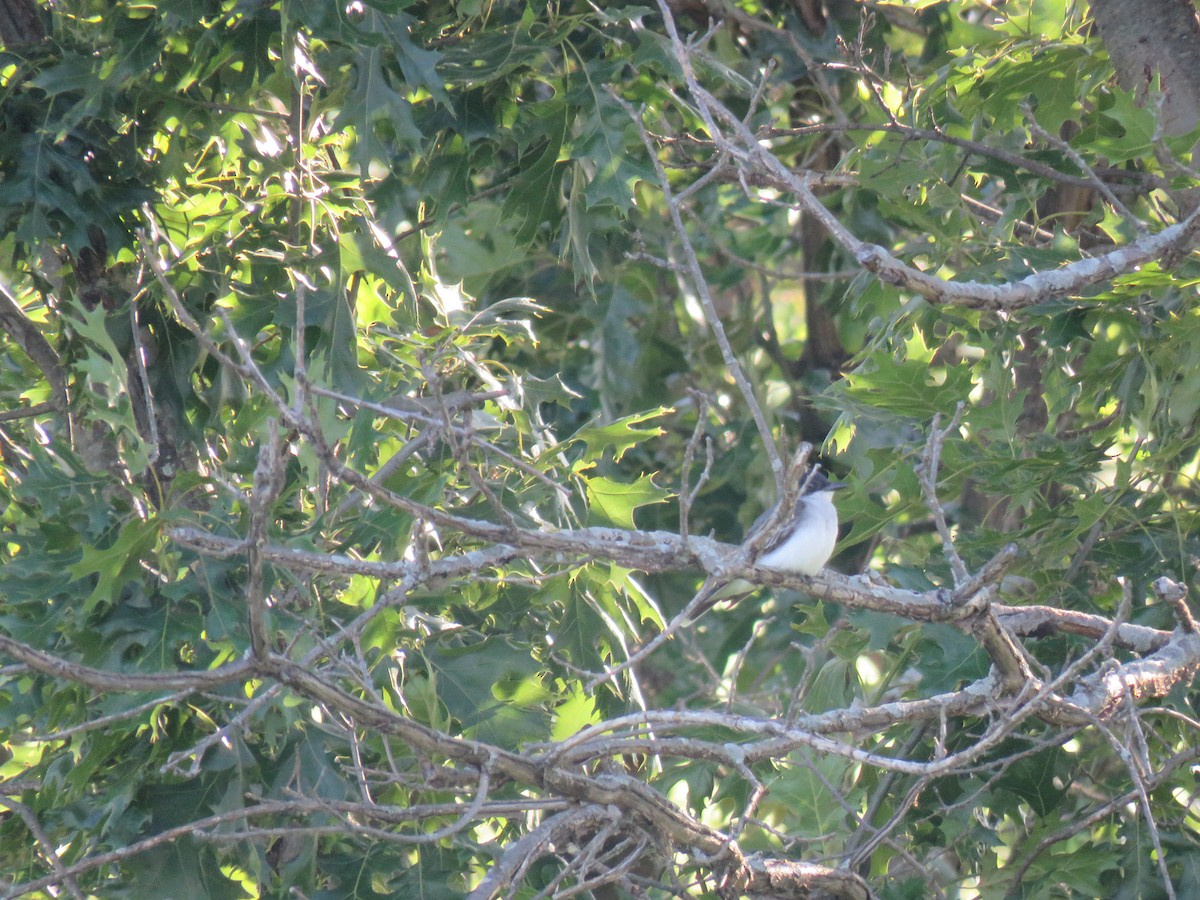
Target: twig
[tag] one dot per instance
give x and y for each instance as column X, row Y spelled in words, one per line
column 1139, row 770
column 246, row 368
column 268, row 483
column 27, row 412
column 1072, row 154
column 103, row 721
column 62, row 875
column 1037, row 287
column 867, row 836
column 146, row 394
column 927, row 474
column 1144, row 180
column 687, row 495
column 100, row 680
column 523, row 852
column 1167, row 773
column 700, row 283
column 236, row 723
column 678, row 621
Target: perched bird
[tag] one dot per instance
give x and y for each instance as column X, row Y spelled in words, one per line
column 803, row 545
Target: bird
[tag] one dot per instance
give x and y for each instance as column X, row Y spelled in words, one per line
column 803, row 545
column 806, row 543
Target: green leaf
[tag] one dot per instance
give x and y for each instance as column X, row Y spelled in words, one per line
column 1032, row 778
column 117, row 563
column 803, row 795
column 604, row 167
column 533, row 197
column 614, row 503
column 379, row 114
column 582, row 635
column 909, row 387
column 418, row 64
column 618, row 436
column 489, row 686
column 1134, row 137
column 576, row 712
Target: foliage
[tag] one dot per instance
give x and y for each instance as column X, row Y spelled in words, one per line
column 384, row 348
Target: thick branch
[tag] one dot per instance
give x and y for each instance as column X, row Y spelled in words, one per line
column 660, row 551
column 1042, row 621
column 760, row 877
column 101, row 680
column 1176, row 663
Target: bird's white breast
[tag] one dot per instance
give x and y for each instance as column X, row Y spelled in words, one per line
column 811, row 543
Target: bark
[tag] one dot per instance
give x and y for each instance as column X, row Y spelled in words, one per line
column 1148, row 38
column 20, row 23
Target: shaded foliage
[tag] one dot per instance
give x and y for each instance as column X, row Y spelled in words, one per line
column 379, row 342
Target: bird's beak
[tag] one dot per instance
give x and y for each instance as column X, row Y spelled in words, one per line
column 836, row 485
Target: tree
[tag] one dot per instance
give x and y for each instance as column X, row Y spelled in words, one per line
column 382, row 382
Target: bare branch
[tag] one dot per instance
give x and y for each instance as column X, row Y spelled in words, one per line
column 688, row 495
column 101, row 680
column 746, row 148
column 1072, row 154
column 268, row 483
column 1177, row 662
column 47, row 846
column 526, row 850
column 700, row 283
column 927, row 474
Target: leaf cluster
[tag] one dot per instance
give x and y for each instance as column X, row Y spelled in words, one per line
column 384, row 364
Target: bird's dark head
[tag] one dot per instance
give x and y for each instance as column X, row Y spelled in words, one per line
column 816, row 482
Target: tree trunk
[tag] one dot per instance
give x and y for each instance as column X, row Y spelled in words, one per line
column 20, row 23
column 1156, row 37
